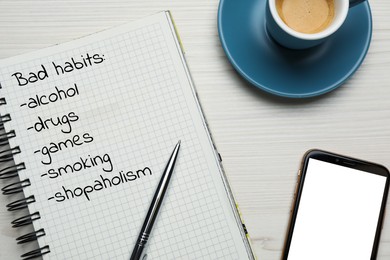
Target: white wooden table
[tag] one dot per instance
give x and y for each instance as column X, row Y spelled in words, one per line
column 260, row 137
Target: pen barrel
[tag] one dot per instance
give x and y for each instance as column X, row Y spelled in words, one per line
column 159, row 195
column 137, row 252
column 143, row 239
column 139, row 246
column 155, row 206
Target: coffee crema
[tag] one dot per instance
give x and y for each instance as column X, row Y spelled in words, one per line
column 306, row 16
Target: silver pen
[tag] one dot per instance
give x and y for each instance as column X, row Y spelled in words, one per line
column 154, row 207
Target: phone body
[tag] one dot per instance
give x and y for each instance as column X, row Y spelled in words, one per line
column 338, row 210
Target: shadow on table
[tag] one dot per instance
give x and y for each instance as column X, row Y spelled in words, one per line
column 253, row 90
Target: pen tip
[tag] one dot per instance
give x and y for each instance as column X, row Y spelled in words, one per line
column 179, row 142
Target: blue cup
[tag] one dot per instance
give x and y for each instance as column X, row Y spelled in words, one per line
column 292, row 39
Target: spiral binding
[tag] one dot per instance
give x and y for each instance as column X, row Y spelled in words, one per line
column 20, row 204
column 2, row 101
column 36, row 253
column 9, row 172
column 6, row 136
column 31, row 236
column 7, row 155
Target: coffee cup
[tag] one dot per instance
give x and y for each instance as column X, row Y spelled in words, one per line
column 301, row 24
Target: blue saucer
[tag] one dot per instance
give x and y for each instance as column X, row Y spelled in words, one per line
column 284, row 72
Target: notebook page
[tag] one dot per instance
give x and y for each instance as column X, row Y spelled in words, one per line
column 96, row 120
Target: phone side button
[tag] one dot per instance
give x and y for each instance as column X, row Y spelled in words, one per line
column 295, row 197
column 292, row 208
column 383, row 220
column 295, row 189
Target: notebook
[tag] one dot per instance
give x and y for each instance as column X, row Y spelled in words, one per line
column 91, row 124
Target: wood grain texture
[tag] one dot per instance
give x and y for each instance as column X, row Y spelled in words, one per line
column 260, row 137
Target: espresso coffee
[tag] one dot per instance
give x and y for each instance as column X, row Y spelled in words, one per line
column 306, row 16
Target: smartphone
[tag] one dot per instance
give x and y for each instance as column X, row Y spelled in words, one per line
column 338, row 209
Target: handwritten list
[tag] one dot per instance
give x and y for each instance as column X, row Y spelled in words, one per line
column 66, row 124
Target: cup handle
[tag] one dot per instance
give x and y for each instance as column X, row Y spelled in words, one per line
column 352, row 3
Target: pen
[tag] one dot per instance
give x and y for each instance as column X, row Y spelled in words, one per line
column 154, row 207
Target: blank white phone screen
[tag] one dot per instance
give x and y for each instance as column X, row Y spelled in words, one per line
column 338, row 213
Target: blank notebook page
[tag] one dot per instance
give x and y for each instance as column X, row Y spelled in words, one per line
column 96, row 126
